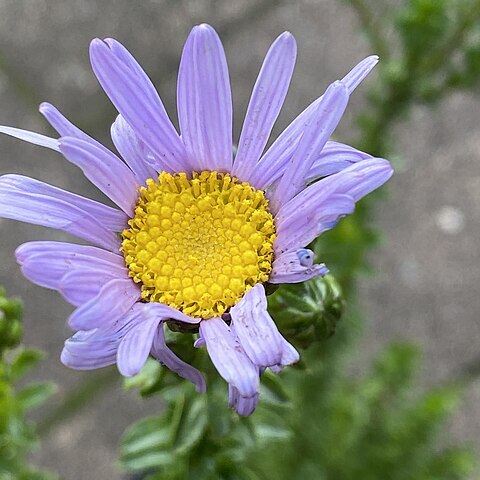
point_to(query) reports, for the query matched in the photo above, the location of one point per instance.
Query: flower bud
(307, 312)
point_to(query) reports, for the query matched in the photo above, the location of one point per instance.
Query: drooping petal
(132, 150)
(53, 212)
(85, 351)
(109, 217)
(205, 101)
(276, 158)
(112, 302)
(229, 358)
(244, 406)
(317, 216)
(135, 97)
(104, 169)
(31, 137)
(135, 346)
(47, 263)
(88, 350)
(334, 158)
(265, 103)
(164, 355)
(256, 331)
(321, 125)
(293, 267)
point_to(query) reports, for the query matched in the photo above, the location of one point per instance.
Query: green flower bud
(307, 312)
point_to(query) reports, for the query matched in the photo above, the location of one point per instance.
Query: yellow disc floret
(198, 244)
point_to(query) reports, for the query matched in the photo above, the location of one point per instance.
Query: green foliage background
(316, 420)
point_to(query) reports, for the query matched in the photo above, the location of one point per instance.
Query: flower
(197, 233)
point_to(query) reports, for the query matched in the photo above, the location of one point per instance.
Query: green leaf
(35, 394)
(24, 362)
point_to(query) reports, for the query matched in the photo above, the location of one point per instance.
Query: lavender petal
(164, 355)
(333, 159)
(266, 101)
(53, 212)
(31, 137)
(112, 302)
(135, 97)
(60, 123)
(244, 406)
(321, 125)
(91, 349)
(47, 263)
(256, 331)
(205, 101)
(135, 346)
(104, 169)
(229, 358)
(83, 284)
(289, 268)
(276, 158)
(316, 216)
(111, 218)
(132, 150)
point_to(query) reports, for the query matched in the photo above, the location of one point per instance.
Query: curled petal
(164, 355)
(292, 267)
(135, 346)
(244, 406)
(78, 272)
(334, 158)
(132, 150)
(112, 302)
(256, 331)
(299, 228)
(88, 350)
(82, 284)
(358, 73)
(229, 358)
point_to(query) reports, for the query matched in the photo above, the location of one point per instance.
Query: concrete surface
(426, 288)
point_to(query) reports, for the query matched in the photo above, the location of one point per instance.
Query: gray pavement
(426, 288)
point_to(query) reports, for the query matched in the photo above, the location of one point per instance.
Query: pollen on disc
(199, 244)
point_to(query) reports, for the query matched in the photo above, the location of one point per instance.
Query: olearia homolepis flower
(197, 232)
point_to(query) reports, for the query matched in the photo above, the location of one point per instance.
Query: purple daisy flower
(198, 233)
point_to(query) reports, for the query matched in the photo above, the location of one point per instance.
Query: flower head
(197, 233)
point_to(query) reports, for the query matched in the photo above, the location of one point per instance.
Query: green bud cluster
(307, 312)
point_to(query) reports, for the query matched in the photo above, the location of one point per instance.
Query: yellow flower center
(199, 244)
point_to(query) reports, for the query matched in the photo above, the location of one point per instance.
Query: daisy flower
(198, 232)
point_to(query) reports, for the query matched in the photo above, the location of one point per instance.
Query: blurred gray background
(426, 283)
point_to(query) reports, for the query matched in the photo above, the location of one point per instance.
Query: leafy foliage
(17, 434)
